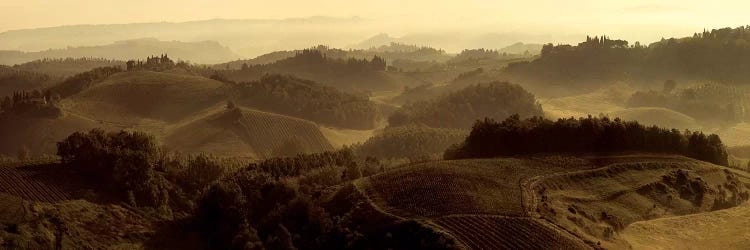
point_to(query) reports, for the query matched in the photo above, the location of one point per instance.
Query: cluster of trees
(153, 63)
(34, 103)
(708, 103)
(461, 108)
(273, 204)
(307, 99)
(596, 59)
(318, 61)
(348, 73)
(478, 57)
(64, 67)
(124, 163)
(515, 136)
(296, 165)
(391, 53)
(412, 142)
(429, 91)
(82, 81)
(719, 55)
(251, 209)
(12, 79)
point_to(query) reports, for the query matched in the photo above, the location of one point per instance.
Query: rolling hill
(549, 199)
(247, 133)
(661, 117)
(611, 101)
(65, 67)
(39, 135)
(723, 229)
(145, 96)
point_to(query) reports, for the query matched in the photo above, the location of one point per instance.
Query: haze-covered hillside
(198, 52)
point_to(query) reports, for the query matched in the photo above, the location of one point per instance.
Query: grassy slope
(723, 229)
(611, 101)
(627, 190)
(736, 135)
(460, 196)
(39, 134)
(247, 133)
(605, 100)
(143, 96)
(662, 117)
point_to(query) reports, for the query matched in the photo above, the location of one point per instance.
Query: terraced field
(497, 232)
(601, 202)
(246, 132)
(476, 186)
(463, 196)
(552, 201)
(36, 183)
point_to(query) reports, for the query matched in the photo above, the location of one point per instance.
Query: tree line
(79, 82)
(719, 55)
(33, 103)
(64, 67)
(516, 136)
(308, 100)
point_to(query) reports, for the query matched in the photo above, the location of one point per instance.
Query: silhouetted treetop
(720, 55)
(514, 136)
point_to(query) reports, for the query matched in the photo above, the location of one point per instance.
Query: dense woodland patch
(514, 136)
(13, 79)
(719, 55)
(348, 73)
(461, 108)
(307, 99)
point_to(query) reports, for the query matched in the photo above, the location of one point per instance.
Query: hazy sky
(632, 19)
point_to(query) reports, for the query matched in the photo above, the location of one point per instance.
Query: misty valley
(262, 134)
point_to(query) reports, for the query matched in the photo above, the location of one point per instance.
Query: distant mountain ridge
(503, 43)
(198, 52)
(249, 37)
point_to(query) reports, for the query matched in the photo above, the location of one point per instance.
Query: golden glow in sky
(632, 20)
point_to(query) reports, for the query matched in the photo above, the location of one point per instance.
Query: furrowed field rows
(496, 232)
(32, 183)
(264, 130)
(488, 187)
